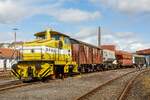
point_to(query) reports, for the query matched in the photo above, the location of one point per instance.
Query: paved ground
(68, 89)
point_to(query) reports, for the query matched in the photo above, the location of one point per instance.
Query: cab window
(66, 40)
(55, 37)
(41, 37)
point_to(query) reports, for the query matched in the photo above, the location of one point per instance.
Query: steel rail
(128, 86)
(14, 84)
(5, 76)
(88, 94)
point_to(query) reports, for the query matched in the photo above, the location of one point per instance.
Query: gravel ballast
(140, 89)
(68, 89)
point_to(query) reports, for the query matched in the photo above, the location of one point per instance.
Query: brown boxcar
(86, 55)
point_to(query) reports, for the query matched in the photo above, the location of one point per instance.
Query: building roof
(108, 47)
(8, 53)
(144, 52)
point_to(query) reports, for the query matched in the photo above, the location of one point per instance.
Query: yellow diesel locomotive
(48, 55)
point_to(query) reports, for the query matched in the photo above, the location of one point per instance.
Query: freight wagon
(109, 59)
(139, 60)
(124, 59)
(146, 53)
(147, 60)
(87, 56)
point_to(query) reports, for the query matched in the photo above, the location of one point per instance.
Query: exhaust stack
(99, 36)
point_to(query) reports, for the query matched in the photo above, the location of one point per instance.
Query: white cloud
(12, 11)
(85, 33)
(127, 6)
(134, 6)
(123, 40)
(75, 15)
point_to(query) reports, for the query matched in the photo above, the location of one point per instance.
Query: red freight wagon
(86, 55)
(125, 62)
(124, 58)
(123, 55)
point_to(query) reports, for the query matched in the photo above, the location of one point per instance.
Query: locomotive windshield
(55, 36)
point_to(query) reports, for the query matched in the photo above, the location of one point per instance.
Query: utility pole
(99, 36)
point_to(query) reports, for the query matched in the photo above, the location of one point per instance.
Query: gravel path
(68, 89)
(141, 88)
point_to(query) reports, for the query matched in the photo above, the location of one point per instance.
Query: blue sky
(124, 23)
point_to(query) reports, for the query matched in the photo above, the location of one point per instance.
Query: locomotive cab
(58, 40)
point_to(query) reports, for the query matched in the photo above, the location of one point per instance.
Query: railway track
(122, 94)
(128, 86)
(14, 84)
(5, 75)
(17, 84)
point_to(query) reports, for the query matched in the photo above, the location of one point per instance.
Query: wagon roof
(81, 42)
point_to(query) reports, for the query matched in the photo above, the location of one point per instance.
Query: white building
(7, 58)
